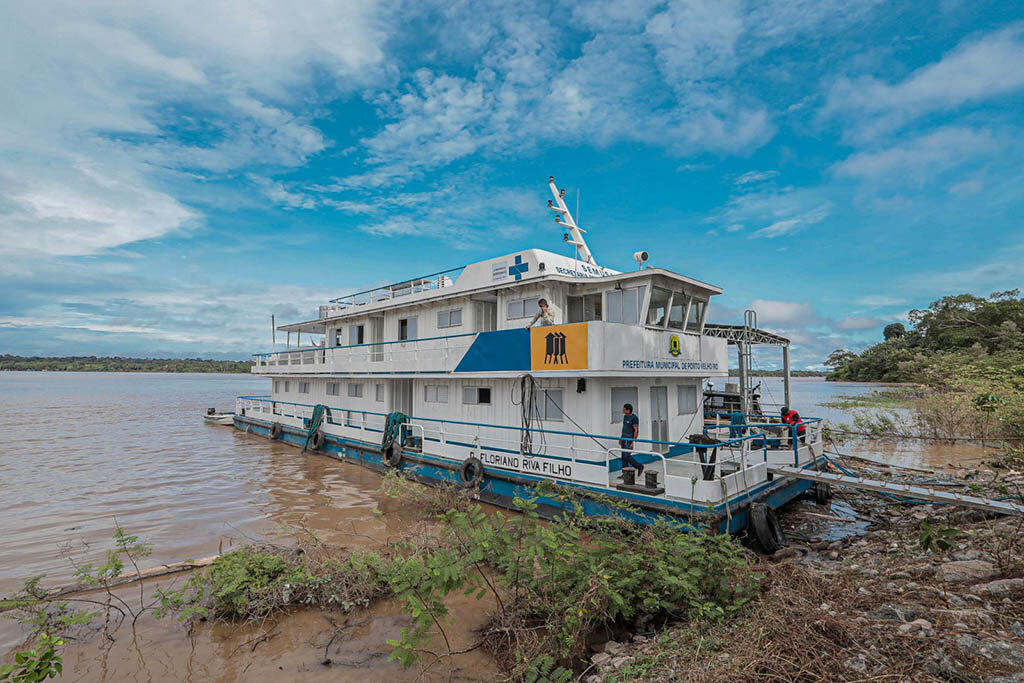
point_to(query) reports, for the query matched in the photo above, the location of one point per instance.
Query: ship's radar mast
(574, 233)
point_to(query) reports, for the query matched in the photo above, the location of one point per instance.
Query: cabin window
(696, 318)
(657, 311)
(677, 316)
(303, 387)
(406, 329)
(476, 395)
(287, 387)
(687, 399)
(339, 337)
(451, 318)
(355, 390)
(583, 308)
(332, 388)
(621, 396)
(277, 387)
(623, 305)
(355, 335)
(548, 405)
(435, 393)
(522, 308)
(378, 392)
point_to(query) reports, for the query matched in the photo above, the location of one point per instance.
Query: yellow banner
(559, 347)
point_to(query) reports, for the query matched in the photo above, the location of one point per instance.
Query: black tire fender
(318, 440)
(276, 431)
(471, 472)
(764, 524)
(393, 454)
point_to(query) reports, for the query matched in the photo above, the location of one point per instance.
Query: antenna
(575, 233)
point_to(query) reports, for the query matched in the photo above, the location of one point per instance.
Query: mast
(574, 234)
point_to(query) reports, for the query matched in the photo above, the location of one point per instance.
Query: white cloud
(922, 157)
(279, 194)
(755, 177)
(855, 323)
(881, 300)
(979, 68)
(774, 212)
(773, 312)
(105, 96)
(799, 222)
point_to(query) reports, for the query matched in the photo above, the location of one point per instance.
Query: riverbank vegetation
(961, 330)
(965, 358)
(549, 587)
(120, 364)
(603, 599)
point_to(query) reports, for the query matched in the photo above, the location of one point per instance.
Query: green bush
(38, 664)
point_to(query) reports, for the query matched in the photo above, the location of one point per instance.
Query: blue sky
(171, 174)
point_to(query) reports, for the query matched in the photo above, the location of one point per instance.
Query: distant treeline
(119, 364)
(735, 372)
(960, 331)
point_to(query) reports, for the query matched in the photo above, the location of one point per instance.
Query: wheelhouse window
(435, 393)
(658, 309)
(355, 389)
(522, 308)
(356, 335)
(676, 318)
(476, 395)
(623, 305)
(406, 329)
(303, 387)
(696, 318)
(332, 388)
(452, 318)
(583, 308)
(548, 405)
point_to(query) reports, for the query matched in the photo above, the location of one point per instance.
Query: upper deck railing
(434, 281)
(430, 354)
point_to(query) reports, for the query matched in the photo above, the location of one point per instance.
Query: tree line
(119, 364)
(962, 329)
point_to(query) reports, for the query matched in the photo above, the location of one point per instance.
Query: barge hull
(500, 487)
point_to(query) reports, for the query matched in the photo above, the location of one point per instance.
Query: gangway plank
(906, 490)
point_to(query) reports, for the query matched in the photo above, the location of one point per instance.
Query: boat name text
(515, 462)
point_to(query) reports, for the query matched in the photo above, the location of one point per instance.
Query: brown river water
(81, 450)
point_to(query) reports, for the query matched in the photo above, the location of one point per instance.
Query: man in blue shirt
(630, 430)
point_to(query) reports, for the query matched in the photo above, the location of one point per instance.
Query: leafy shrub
(38, 664)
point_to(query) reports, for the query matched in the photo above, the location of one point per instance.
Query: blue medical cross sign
(518, 268)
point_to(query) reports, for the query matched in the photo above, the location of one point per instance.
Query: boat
(441, 376)
(213, 417)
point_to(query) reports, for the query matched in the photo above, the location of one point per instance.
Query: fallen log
(125, 579)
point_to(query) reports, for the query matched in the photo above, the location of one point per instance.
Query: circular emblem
(675, 347)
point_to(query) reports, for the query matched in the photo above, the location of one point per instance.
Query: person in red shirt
(791, 417)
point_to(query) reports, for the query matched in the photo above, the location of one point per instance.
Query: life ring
(471, 473)
(393, 454)
(317, 440)
(276, 430)
(764, 523)
(822, 492)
